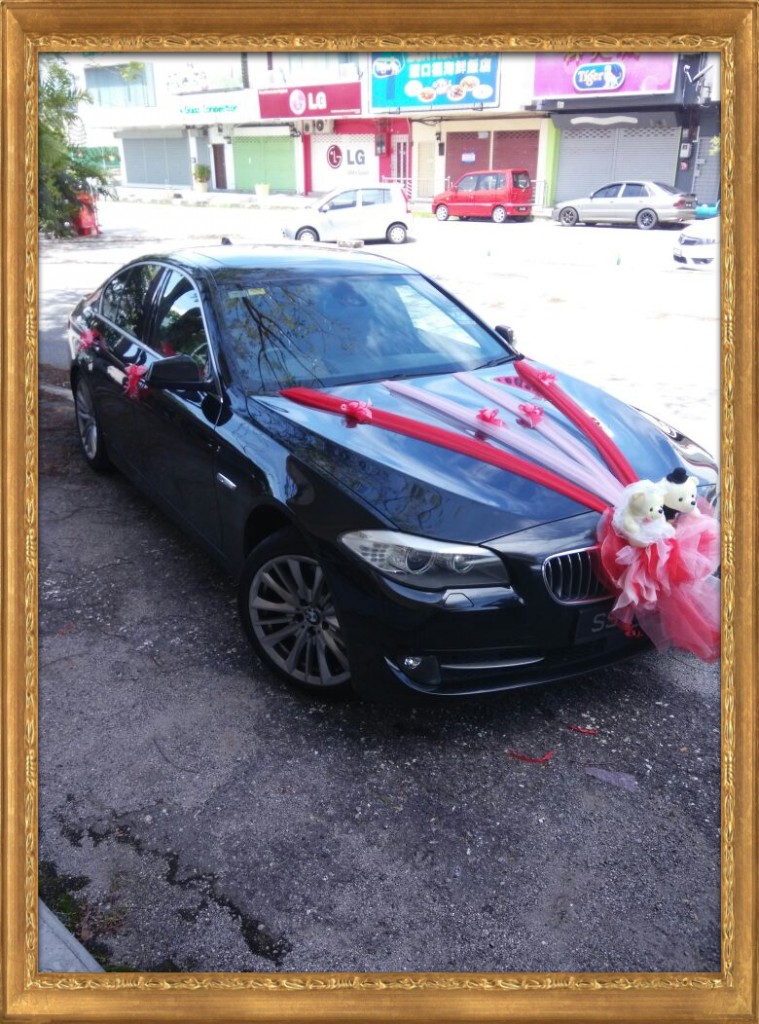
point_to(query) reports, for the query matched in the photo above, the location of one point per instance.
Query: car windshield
(323, 331)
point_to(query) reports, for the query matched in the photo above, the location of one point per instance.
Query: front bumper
(467, 641)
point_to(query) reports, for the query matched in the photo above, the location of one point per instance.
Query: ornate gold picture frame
(30, 27)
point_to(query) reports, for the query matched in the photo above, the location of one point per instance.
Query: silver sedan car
(643, 203)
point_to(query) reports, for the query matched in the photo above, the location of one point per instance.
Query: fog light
(411, 663)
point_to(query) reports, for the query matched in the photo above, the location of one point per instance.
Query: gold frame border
(30, 27)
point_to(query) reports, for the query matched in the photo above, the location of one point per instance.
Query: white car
(365, 212)
(698, 244)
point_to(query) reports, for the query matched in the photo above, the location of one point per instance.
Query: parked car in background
(643, 203)
(706, 210)
(497, 194)
(376, 543)
(698, 244)
(366, 212)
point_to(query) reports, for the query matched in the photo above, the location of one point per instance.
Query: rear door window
(634, 190)
(126, 298)
(375, 196)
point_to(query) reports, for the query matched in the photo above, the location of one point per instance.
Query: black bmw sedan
(350, 442)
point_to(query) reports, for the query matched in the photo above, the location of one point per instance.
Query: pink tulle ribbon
(668, 589)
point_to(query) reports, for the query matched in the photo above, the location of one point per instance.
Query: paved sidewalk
(58, 949)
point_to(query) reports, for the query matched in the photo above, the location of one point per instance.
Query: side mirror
(507, 333)
(180, 372)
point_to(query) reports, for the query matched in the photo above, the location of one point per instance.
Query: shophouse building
(307, 123)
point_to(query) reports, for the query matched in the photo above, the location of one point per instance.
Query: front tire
(307, 235)
(568, 216)
(442, 212)
(498, 215)
(396, 234)
(88, 425)
(646, 220)
(287, 611)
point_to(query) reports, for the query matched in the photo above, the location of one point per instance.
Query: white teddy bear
(679, 493)
(639, 516)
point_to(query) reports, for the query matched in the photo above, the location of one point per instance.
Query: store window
(121, 85)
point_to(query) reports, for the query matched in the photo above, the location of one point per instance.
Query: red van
(496, 194)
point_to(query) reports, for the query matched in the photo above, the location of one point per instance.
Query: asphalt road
(197, 815)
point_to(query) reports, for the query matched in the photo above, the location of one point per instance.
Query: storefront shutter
(157, 161)
(706, 184)
(649, 153)
(264, 159)
(590, 157)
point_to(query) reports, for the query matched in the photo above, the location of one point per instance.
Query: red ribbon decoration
(454, 442)
(532, 760)
(490, 416)
(610, 453)
(357, 412)
(89, 339)
(531, 415)
(133, 380)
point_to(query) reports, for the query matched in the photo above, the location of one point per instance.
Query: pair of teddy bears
(647, 509)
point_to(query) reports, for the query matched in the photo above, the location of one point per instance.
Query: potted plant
(202, 175)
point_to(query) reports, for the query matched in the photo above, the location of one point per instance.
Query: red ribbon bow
(89, 339)
(357, 412)
(133, 382)
(531, 415)
(490, 416)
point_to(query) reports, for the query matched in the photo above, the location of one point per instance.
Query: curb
(58, 949)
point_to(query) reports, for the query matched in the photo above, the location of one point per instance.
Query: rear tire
(396, 234)
(88, 425)
(287, 612)
(498, 215)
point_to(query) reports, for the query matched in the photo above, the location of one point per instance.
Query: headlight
(426, 563)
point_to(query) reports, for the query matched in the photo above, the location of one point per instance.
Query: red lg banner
(311, 100)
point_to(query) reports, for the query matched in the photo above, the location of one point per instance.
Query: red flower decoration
(490, 416)
(546, 377)
(89, 339)
(357, 412)
(133, 382)
(531, 415)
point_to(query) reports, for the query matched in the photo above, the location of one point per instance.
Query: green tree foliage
(65, 169)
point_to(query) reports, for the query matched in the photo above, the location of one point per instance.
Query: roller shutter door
(264, 159)
(706, 184)
(590, 157)
(516, 149)
(157, 161)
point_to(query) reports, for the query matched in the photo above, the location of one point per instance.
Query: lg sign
(353, 157)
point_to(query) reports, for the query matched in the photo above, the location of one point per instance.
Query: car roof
(292, 258)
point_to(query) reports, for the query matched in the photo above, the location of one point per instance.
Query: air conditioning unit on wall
(317, 127)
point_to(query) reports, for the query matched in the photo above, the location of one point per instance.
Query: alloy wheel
(294, 621)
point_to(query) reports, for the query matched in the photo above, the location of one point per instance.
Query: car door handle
(226, 482)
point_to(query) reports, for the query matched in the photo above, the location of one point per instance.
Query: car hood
(419, 487)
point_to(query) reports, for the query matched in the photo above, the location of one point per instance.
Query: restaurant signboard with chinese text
(415, 81)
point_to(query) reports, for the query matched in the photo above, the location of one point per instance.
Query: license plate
(593, 623)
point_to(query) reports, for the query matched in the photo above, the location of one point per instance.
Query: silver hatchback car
(365, 212)
(643, 203)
